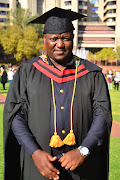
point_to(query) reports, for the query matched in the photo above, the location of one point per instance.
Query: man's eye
(53, 39)
(67, 39)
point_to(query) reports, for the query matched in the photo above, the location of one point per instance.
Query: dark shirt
(63, 99)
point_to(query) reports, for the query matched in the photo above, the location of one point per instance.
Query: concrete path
(2, 99)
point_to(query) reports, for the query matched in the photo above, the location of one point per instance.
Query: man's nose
(60, 43)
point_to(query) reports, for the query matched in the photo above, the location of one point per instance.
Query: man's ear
(44, 38)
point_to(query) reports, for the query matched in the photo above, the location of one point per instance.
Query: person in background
(10, 75)
(3, 76)
(109, 78)
(116, 82)
(57, 115)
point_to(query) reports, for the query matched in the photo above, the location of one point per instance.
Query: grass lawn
(115, 101)
(4, 92)
(114, 159)
(1, 142)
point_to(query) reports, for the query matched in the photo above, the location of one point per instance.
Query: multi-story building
(4, 8)
(101, 27)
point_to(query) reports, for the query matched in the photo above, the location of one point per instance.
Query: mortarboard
(58, 20)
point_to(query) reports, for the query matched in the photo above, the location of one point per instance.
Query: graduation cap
(57, 20)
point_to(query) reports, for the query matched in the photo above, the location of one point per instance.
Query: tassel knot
(70, 139)
(56, 141)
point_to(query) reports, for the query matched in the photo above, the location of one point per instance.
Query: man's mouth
(60, 51)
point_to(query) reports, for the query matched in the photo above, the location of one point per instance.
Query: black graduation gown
(4, 78)
(31, 91)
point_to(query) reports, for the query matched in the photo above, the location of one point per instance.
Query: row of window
(3, 20)
(3, 12)
(111, 20)
(83, 11)
(4, 5)
(110, 3)
(81, 3)
(110, 11)
(67, 3)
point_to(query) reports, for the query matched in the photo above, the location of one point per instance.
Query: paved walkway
(115, 132)
(2, 99)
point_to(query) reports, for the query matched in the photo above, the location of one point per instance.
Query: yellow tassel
(70, 139)
(56, 141)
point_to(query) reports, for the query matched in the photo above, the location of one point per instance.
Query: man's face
(59, 46)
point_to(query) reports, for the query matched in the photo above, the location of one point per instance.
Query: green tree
(118, 53)
(1, 33)
(28, 47)
(90, 56)
(19, 16)
(105, 53)
(10, 39)
(2, 30)
(22, 43)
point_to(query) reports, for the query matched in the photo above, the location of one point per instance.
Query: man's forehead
(61, 34)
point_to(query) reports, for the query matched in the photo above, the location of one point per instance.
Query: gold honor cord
(55, 140)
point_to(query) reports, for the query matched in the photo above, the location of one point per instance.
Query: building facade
(100, 29)
(4, 9)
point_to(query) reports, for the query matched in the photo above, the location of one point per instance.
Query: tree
(118, 53)
(90, 56)
(10, 39)
(21, 17)
(22, 43)
(105, 53)
(1, 33)
(28, 47)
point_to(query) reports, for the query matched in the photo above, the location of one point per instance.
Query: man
(58, 108)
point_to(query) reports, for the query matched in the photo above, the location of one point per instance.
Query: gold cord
(73, 95)
(71, 114)
(53, 95)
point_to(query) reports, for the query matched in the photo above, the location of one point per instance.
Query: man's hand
(42, 161)
(72, 159)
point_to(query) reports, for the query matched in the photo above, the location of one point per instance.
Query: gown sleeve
(23, 134)
(101, 99)
(16, 98)
(96, 133)
(102, 117)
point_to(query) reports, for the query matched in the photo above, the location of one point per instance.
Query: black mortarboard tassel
(57, 20)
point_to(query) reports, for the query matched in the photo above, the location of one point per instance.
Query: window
(95, 1)
(3, 20)
(82, 3)
(67, 3)
(94, 8)
(82, 11)
(3, 12)
(111, 20)
(112, 11)
(4, 5)
(112, 3)
(94, 15)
